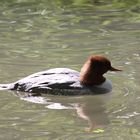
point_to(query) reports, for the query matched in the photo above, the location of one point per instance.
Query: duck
(65, 81)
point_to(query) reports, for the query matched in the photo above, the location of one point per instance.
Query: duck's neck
(91, 80)
(89, 76)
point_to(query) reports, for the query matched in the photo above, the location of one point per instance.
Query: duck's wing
(59, 78)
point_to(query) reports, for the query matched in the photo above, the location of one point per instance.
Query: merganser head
(93, 70)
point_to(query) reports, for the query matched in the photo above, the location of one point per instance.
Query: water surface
(39, 35)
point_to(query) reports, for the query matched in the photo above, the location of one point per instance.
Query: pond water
(40, 34)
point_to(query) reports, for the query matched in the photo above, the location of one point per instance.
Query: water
(39, 35)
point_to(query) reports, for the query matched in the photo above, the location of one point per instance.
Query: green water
(37, 35)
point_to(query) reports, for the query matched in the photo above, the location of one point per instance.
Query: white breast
(107, 85)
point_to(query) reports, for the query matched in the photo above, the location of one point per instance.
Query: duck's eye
(97, 63)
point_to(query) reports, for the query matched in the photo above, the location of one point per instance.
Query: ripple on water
(129, 115)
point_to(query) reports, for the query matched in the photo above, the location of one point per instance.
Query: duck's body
(61, 80)
(56, 81)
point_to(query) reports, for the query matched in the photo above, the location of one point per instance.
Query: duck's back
(58, 78)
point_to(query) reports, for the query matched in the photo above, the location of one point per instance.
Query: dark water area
(37, 35)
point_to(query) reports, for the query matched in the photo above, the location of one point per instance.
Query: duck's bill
(114, 69)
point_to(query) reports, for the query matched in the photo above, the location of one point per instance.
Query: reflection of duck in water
(63, 79)
(89, 108)
(94, 112)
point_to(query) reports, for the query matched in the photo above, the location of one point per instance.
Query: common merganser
(61, 80)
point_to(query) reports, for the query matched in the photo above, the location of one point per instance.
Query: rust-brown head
(93, 70)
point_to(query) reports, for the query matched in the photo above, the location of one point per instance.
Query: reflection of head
(93, 110)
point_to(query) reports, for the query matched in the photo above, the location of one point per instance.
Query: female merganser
(61, 80)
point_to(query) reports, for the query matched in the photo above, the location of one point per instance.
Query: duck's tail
(6, 86)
